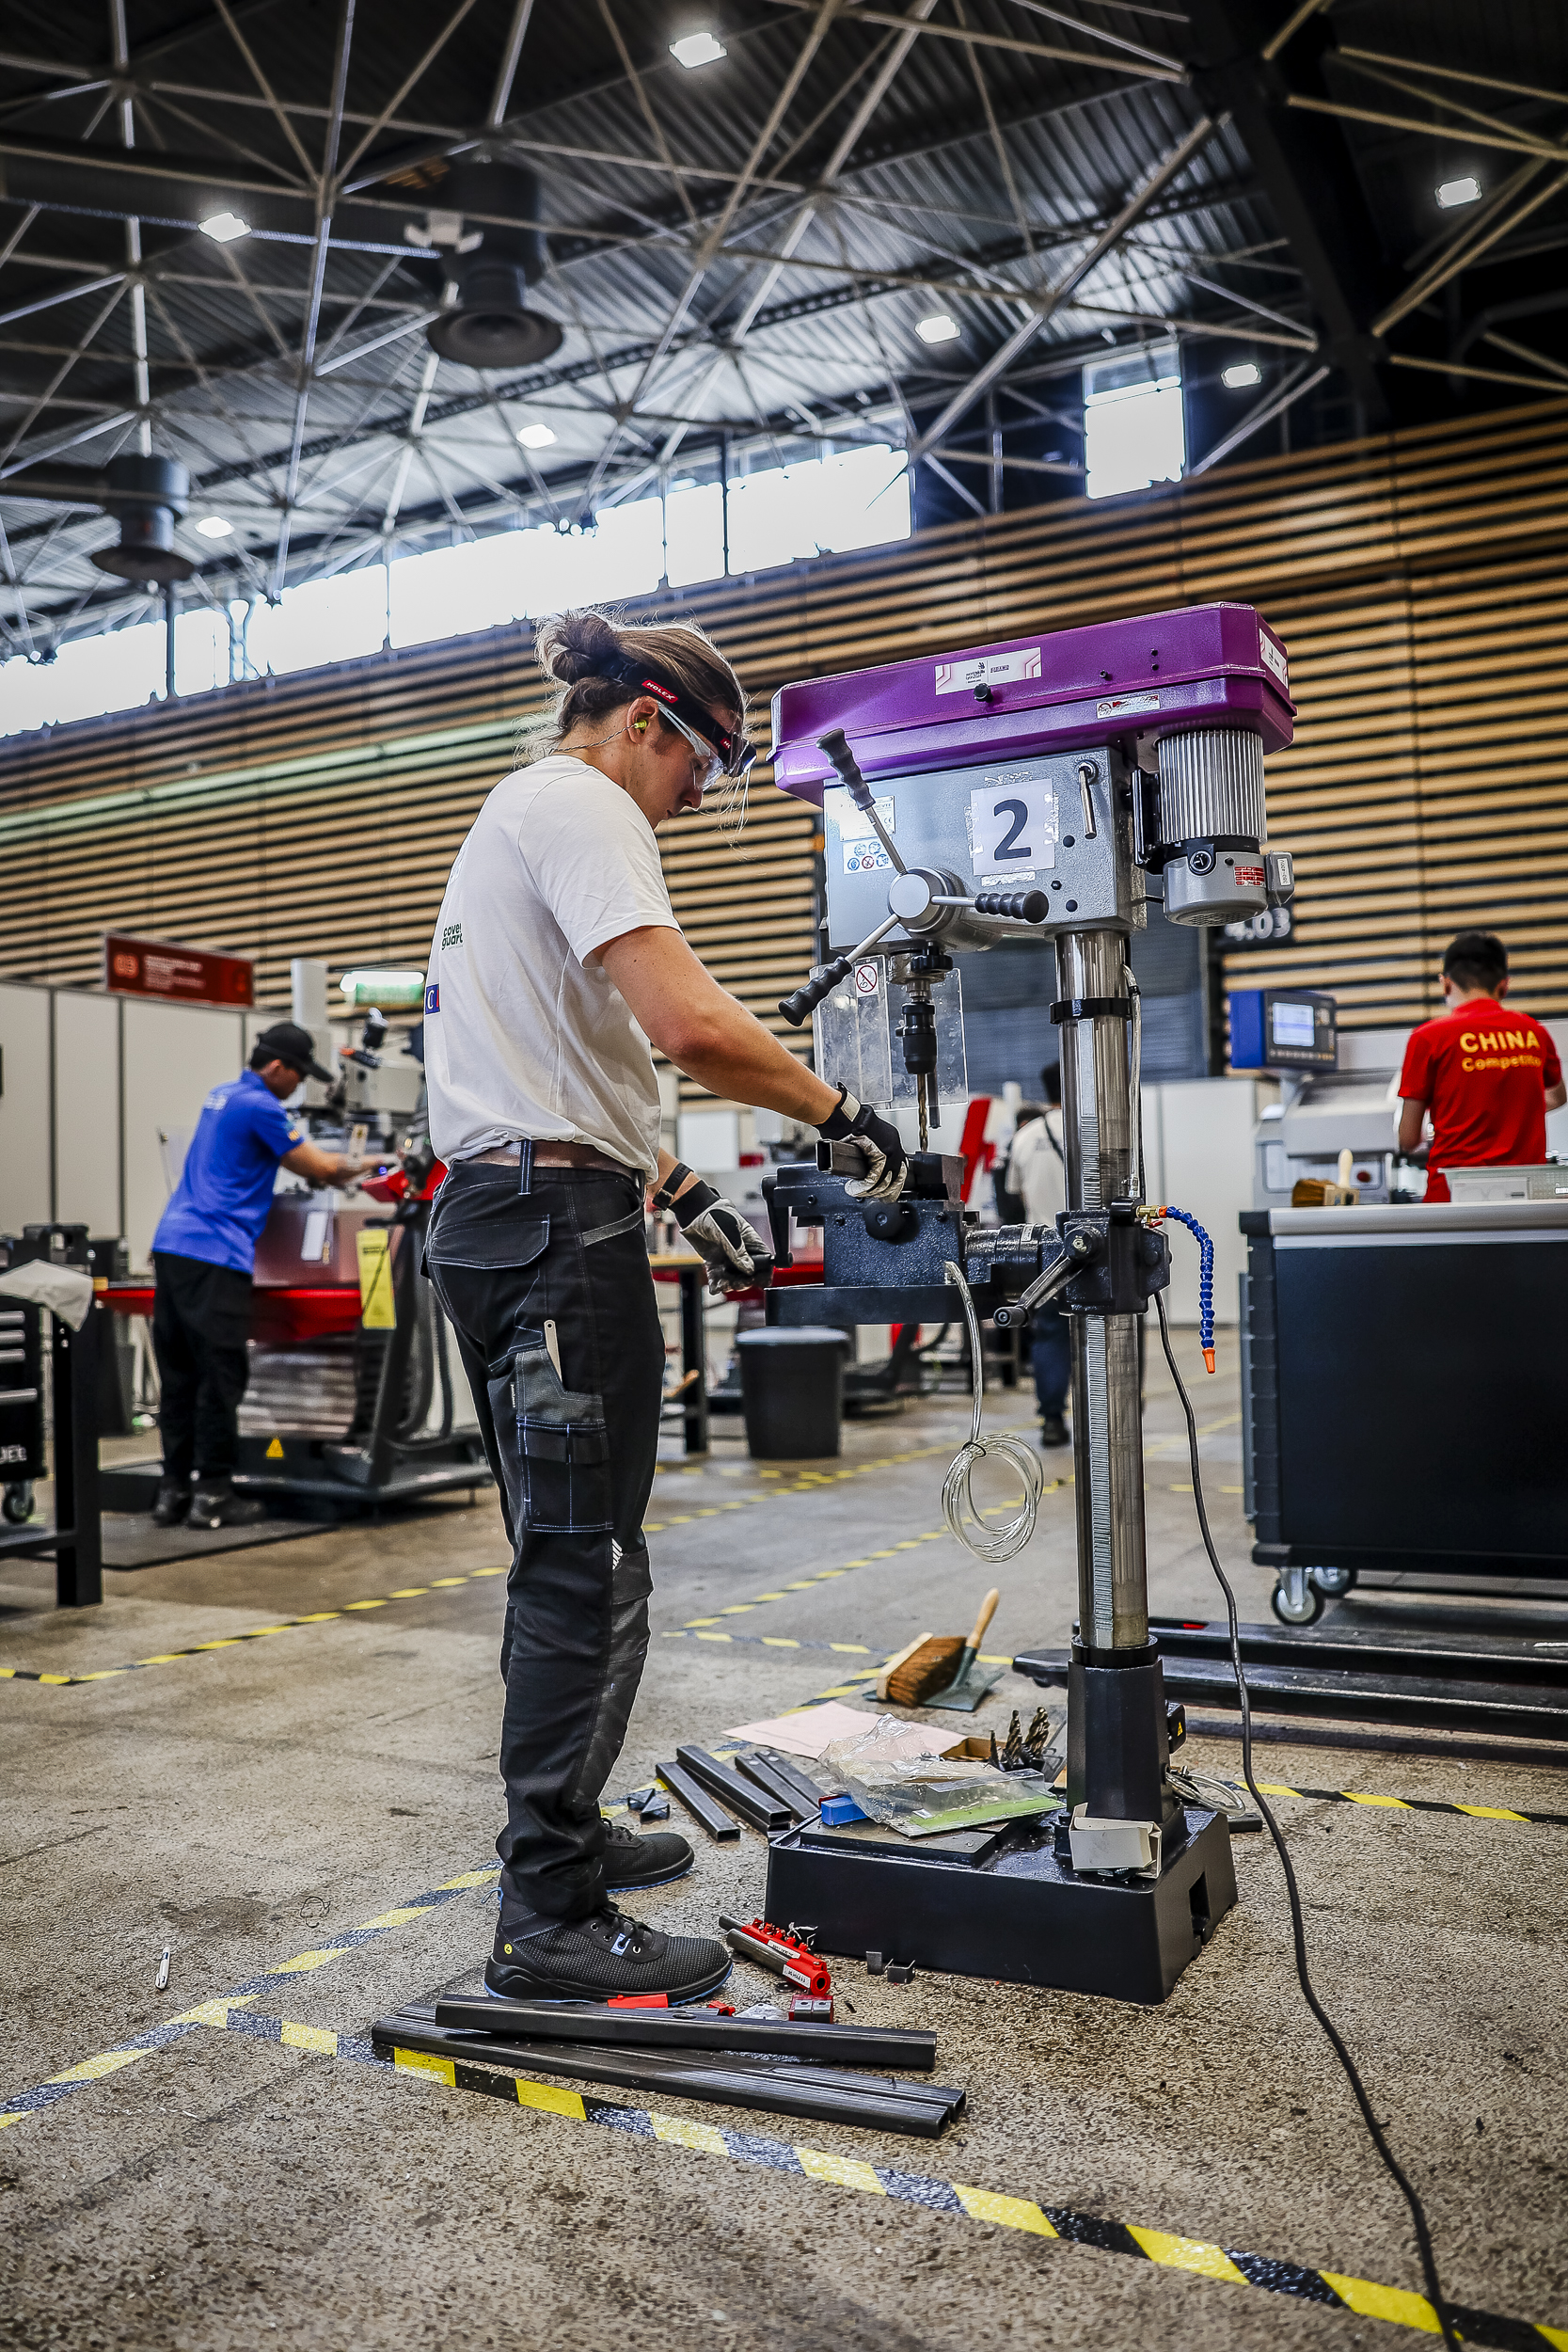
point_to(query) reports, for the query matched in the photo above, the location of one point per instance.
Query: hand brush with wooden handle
(931, 1665)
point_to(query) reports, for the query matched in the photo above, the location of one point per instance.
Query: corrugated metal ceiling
(937, 154)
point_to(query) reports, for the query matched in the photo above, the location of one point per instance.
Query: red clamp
(793, 1960)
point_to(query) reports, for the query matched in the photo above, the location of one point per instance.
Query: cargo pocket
(563, 1448)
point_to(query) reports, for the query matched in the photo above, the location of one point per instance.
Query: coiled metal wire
(958, 1501)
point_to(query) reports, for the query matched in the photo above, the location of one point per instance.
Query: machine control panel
(1283, 1028)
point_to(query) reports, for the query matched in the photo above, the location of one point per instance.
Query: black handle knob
(798, 1007)
(836, 744)
(1022, 906)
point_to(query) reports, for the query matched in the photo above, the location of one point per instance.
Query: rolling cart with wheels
(1365, 1331)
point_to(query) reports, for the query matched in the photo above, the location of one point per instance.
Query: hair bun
(574, 645)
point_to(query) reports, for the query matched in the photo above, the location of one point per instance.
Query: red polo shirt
(1482, 1071)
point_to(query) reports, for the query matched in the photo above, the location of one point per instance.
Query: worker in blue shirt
(204, 1250)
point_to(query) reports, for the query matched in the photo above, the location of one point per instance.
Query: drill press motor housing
(1041, 788)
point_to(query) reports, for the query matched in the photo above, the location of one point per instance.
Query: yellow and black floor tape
(1368, 2299)
(1413, 1804)
(104, 2063)
(234, 2012)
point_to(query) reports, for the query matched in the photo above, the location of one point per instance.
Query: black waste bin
(792, 1392)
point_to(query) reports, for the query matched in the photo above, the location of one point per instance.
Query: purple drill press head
(1208, 666)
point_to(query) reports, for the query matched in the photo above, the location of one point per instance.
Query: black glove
(887, 1163)
(736, 1257)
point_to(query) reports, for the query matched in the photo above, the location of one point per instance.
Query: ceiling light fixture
(937, 329)
(1454, 192)
(223, 228)
(535, 435)
(694, 49)
(214, 527)
(1245, 372)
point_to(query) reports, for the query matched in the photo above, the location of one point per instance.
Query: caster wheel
(1333, 1583)
(1296, 1602)
(16, 1503)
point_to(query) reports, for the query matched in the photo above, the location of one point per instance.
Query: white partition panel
(24, 1170)
(86, 1111)
(1153, 1142)
(1202, 1145)
(174, 1056)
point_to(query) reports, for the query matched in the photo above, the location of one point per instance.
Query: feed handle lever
(1019, 906)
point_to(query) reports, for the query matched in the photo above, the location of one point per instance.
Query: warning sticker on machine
(1272, 659)
(965, 672)
(1126, 706)
(863, 852)
(868, 979)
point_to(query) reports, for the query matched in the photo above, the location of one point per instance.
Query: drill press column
(1107, 1429)
(1118, 1749)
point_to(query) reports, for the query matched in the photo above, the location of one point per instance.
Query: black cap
(286, 1041)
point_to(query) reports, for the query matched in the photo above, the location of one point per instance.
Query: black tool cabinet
(1405, 1390)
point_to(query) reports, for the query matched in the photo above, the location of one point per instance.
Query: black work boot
(1054, 1431)
(215, 1504)
(606, 1953)
(173, 1503)
(631, 1862)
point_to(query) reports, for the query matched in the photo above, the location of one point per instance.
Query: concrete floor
(249, 1805)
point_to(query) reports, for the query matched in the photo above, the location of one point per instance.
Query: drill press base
(999, 1904)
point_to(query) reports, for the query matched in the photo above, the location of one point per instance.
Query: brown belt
(555, 1155)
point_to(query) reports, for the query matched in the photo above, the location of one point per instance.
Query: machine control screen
(1283, 1028)
(1292, 1024)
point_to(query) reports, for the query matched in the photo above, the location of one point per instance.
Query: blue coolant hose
(1205, 1281)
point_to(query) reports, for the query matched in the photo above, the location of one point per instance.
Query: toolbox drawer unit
(1405, 1404)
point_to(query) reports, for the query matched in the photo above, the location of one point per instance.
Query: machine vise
(886, 1261)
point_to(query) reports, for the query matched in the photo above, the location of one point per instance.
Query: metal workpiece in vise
(1097, 764)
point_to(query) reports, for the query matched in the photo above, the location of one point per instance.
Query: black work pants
(574, 1458)
(200, 1324)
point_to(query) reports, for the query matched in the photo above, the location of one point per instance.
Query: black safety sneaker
(173, 1503)
(631, 1862)
(1054, 1431)
(592, 1958)
(215, 1504)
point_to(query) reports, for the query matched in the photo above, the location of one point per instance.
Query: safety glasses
(714, 770)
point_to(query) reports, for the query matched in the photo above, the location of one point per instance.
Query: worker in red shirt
(1488, 1078)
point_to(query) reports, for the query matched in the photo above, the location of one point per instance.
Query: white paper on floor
(810, 1731)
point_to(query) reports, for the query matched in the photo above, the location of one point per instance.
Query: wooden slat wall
(1417, 581)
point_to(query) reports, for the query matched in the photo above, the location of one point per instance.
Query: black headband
(733, 748)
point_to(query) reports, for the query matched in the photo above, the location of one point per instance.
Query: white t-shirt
(523, 1036)
(1036, 1168)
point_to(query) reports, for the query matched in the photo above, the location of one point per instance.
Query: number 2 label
(1013, 825)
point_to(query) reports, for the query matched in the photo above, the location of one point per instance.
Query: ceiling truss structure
(738, 257)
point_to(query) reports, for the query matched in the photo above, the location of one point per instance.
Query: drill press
(1038, 788)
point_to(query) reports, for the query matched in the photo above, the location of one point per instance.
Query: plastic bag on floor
(899, 1775)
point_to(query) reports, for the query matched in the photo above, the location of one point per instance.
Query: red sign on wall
(160, 967)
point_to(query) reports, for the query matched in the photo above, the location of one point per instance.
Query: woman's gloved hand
(887, 1163)
(736, 1257)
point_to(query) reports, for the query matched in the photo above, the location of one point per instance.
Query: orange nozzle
(1208, 1358)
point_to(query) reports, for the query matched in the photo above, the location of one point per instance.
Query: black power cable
(1298, 1928)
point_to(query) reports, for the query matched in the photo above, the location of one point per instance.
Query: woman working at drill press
(557, 961)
